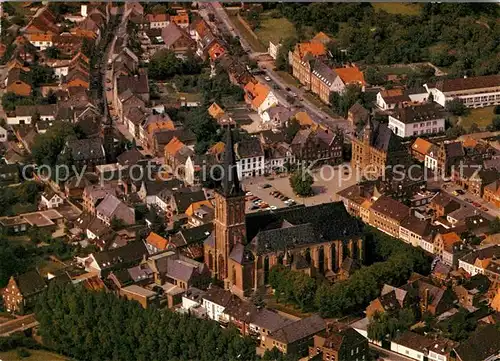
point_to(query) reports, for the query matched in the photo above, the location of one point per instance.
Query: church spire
(230, 183)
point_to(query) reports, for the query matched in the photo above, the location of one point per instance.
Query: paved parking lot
(485, 207)
(325, 187)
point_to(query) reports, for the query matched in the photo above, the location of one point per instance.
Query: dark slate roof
(382, 138)
(391, 208)
(180, 270)
(299, 330)
(123, 277)
(82, 149)
(417, 225)
(30, 283)
(185, 197)
(155, 187)
(129, 157)
(192, 235)
(419, 113)
(329, 221)
(249, 148)
(454, 150)
(482, 344)
(324, 72)
(218, 296)
(486, 81)
(348, 337)
(282, 238)
(133, 251)
(359, 111)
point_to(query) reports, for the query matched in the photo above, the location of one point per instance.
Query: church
(243, 248)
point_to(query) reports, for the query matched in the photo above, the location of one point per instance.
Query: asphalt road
(322, 117)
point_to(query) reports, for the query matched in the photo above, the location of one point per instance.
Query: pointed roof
(230, 185)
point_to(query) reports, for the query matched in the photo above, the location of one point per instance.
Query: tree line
(394, 261)
(100, 326)
(460, 37)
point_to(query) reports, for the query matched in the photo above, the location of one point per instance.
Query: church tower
(229, 224)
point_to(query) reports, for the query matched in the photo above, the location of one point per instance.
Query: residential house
(106, 261)
(126, 101)
(302, 56)
(86, 153)
(442, 204)
(95, 193)
(260, 97)
(413, 230)
(482, 261)
(391, 299)
(358, 114)
(443, 247)
(320, 145)
(155, 243)
(408, 121)
(473, 291)
(296, 337)
(146, 298)
(492, 193)
(273, 49)
(157, 21)
(22, 291)
(420, 148)
(111, 208)
(419, 347)
(474, 92)
(215, 301)
(50, 200)
(389, 99)
(339, 345)
(177, 40)
(250, 158)
(387, 214)
(482, 345)
(23, 114)
(9, 174)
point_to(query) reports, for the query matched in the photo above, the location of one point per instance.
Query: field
(398, 8)
(481, 116)
(255, 44)
(36, 355)
(274, 30)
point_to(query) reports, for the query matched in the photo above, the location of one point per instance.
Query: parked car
(267, 78)
(485, 209)
(476, 204)
(248, 194)
(461, 192)
(265, 185)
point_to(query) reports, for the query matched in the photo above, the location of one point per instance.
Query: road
(322, 117)
(18, 325)
(492, 212)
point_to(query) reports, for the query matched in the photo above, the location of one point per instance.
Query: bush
(23, 353)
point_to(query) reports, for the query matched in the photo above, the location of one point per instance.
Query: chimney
(426, 299)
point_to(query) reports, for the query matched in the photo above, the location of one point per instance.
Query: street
(321, 116)
(490, 214)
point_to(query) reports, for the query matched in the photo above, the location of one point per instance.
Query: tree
(341, 103)
(474, 128)
(387, 325)
(455, 132)
(292, 127)
(374, 77)
(159, 9)
(52, 52)
(495, 124)
(495, 225)
(48, 146)
(73, 320)
(456, 107)
(117, 224)
(282, 57)
(301, 183)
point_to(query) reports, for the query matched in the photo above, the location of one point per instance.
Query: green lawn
(481, 116)
(288, 78)
(255, 44)
(36, 355)
(274, 30)
(398, 8)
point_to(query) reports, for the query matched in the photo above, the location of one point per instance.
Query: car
(108, 80)
(467, 200)
(485, 209)
(293, 94)
(266, 185)
(476, 204)
(273, 207)
(461, 192)
(276, 86)
(455, 193)
(267, 78)
(248, 194)
(108, 89)
(288, 89)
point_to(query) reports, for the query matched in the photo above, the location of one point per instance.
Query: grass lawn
(398, 8)
(288, 78)
(36, 355)
(255, 44)
(290, 309)
(481, 116)
(274, 30)
(49, 266)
